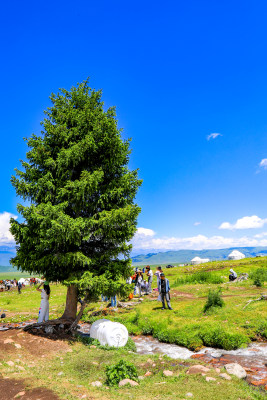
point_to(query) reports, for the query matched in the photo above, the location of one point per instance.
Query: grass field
(69, 369)
(228, 327)
(14, 275)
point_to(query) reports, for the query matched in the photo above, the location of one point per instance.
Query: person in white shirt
(44, 306)
(150, 278)
(233, 275)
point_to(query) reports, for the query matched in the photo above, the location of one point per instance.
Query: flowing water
(253, 358)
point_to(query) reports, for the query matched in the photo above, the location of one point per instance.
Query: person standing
(157, 273)
(150, 278)
(139, 282)
(164, 290)
(19, 287)
(44, 306)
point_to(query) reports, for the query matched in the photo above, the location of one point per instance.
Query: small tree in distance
(82, 213)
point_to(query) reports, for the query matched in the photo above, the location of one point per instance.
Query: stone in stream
(236, 370)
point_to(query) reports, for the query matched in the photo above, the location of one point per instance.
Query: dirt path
(16, 389)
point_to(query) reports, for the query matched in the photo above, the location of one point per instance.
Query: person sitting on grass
(233, 275)
(164, 291)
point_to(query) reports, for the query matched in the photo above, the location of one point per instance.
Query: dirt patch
(35, 345)
(10, 388)
(177, 293)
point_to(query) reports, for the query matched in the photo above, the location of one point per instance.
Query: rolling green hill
(185, 256)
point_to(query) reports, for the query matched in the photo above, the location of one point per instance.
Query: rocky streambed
(253, 358)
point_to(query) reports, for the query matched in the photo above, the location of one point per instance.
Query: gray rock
(197, 369)
(49, 329)
(225, 376)
(128, 381)
(96, 383)
(166, 372)
(242, 277)
(210, 379)
(236, 370)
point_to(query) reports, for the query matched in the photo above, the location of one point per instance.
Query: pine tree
(79, 210)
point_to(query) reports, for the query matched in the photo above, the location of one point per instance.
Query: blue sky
(177, 72)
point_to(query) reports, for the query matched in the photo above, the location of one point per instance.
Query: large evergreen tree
(79, 213)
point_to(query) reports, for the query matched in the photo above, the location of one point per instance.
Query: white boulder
(236, 370)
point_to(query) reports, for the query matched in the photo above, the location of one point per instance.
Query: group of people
(7, 284)
(145, 286)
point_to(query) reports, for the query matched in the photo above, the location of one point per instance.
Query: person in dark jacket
(164, 291)
(233, 275)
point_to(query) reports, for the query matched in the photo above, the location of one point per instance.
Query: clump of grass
(122, 370)
(214, 300)
(199, 277)
(259, 276)
(88, 341)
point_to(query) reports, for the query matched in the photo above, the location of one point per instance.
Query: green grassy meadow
(228, 327)
(69, 368)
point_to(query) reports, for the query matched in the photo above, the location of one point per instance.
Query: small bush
(122, 370)
(258, 281)
(259, 276)
(214, 299)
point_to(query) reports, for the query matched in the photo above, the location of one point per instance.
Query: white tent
(236, 255)
(23, 281)
(198, 260)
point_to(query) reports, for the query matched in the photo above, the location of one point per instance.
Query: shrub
(258, 281)
(259, 276)
(219, 338)
(122, 370)
(214, 299)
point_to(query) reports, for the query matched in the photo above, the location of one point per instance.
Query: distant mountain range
(185, 256)
(167, 257)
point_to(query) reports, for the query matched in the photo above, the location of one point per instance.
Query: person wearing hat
(150, 278)
(233, 275)
(164, 291)
(44, 306)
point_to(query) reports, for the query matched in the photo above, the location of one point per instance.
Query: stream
(252, 358)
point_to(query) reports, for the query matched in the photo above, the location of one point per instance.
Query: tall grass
(199, 277)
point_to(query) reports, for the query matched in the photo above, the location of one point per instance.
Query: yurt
(198, 260)
(236, 255)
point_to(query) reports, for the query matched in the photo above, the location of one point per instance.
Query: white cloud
(263, 163)
(260, 235)
(5, 235)
(252, 222)
(213, 136)
(152, 243)
(197, 223)
(145, 232)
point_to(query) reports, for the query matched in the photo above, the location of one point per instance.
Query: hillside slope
(185, 256)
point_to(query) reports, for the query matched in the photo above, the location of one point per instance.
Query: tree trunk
(71, 303)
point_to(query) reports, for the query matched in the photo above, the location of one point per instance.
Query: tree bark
(79, 316)
(71, 303)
